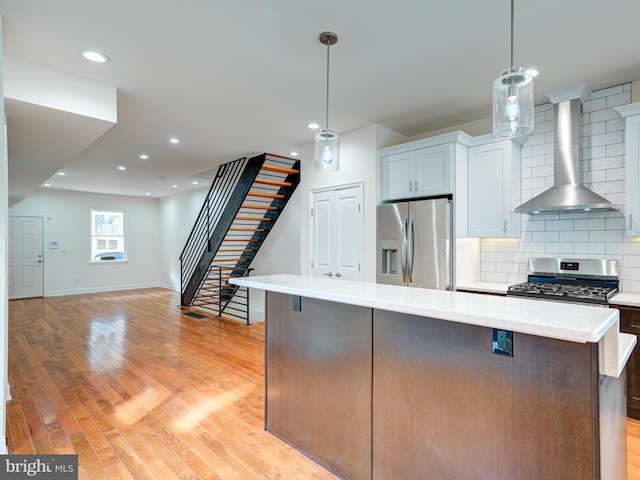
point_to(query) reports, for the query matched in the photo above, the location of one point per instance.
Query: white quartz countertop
(485, 287)
(576, 323)
(563, 321)
(624, 298)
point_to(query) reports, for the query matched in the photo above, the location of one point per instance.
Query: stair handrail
(197, 242)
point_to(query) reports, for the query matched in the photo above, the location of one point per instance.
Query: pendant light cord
(327, 112)
(511, 64)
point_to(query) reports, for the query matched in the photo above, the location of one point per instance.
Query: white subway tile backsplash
(534, 182)
(594, 129)
(574, 236)
(616, 150)
(615, 125)
(630, 273)
(546, 236)
(605, 236)
(542, 149)
(602, 115)
(582, 235)
(560, 224)
(604, 92)
(534, 161)
(614, 174)
(605, 139)
(559, 247)
(618, 99)
(542, 171)
(590, 248)
(590, 224)
(594, 104)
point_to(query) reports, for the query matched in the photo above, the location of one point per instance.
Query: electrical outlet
(502, 342)
(297, 303)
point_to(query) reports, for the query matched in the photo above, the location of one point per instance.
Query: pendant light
(513, 108)
(326, 151)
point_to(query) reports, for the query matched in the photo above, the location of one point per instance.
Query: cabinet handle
(415, 184)
(328, 274)
(504, 228)
(410, 186)
(631, 221)
(338, 274)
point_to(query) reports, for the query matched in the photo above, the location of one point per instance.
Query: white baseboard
(112, 288)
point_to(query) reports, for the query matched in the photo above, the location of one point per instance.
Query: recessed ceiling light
(174, 140)
(94, 56)
(194, 183)
(62, 174)
(294, 154)
(144, 156)
(47, 184)
(147, 194)
(174, 186)
(121, 167)
(313, 125)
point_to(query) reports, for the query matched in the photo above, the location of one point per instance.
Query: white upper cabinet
(494, 188)
(631, 114)
(423, 168)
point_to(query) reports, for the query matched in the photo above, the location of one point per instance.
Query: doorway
(26, 257)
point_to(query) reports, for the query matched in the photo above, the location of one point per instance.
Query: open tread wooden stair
(262, 188)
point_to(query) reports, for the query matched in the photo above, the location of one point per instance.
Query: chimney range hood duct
(567, 194)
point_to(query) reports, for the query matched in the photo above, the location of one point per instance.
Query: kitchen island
(386, 382)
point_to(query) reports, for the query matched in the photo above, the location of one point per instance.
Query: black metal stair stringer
(228, 292)
(234, 204)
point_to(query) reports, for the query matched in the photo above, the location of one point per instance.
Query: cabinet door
(397, 176)
(494, 190)
(632, 207)
(630, 323)
(433, 171)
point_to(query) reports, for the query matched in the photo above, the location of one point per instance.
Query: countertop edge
(466, 308)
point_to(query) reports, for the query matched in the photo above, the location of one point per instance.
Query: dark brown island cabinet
(630, 323)
(385, 383)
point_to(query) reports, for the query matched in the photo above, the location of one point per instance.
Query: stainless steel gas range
(586, 281)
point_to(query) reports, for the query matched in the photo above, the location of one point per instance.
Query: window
(107, 236)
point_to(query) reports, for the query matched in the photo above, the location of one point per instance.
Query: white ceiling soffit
(51, 118)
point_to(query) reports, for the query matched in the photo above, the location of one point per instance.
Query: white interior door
(337, 233)
(26, 257)
(322, 224)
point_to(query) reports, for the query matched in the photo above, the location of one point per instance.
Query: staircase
(246, 198)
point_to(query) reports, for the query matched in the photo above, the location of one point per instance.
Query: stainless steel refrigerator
(414, 244)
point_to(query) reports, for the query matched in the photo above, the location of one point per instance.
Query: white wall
(358, 162)
(4, 297)
(177, 214)
(68, 223)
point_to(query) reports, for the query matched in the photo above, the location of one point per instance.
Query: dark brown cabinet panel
(630, 323)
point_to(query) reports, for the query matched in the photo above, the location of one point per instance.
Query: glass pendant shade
(326, 151)
(513, 108)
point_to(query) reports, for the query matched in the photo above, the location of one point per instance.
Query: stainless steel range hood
(567, 194)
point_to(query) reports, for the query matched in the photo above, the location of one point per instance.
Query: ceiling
(234, 78)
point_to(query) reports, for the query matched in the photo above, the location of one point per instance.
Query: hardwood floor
(139, 390)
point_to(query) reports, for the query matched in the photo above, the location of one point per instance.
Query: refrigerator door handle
(411, 250)
(403, 250)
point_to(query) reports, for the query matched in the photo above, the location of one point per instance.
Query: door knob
(328, 274)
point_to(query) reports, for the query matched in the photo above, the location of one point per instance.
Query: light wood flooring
(139, 390)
